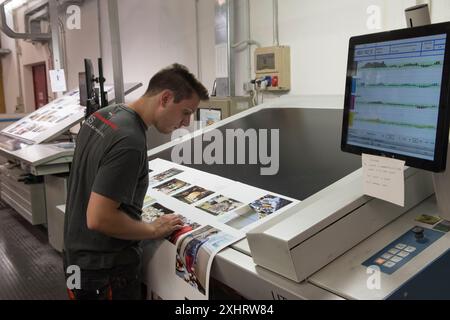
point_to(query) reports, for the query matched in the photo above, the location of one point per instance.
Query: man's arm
(104, 216)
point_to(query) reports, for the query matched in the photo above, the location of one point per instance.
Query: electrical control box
(219, 108)
(273, 64)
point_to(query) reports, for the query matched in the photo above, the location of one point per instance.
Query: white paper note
(58, 80)
(384, 179)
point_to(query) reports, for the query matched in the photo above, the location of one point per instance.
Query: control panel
(273, 68)
(403, 250)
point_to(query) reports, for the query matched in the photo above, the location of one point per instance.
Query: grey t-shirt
(111, 160)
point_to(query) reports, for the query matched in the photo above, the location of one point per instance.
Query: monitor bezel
(442, 136)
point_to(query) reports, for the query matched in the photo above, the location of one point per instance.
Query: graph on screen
(396, 93)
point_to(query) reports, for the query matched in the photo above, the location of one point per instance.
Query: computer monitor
(83, 89)
(87, 84)
(397, 96)
(90, 97)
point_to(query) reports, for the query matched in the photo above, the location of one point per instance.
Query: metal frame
(12, 34)
(116, 50)
(224, 12)
(2, 90)
(56, 45)
(231, 52)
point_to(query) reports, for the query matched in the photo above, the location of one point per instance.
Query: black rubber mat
(30, 269)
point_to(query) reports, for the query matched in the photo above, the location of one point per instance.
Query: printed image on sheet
(219, 205)
(171, 186)
(268, 205)
(164, 176)
(188, 226)
(179, 267)
(40, 123)
(153, 212)
(148, 200)
(193, 195)
(194, 252)
(27, 127)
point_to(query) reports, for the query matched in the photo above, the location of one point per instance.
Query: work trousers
(118, 283)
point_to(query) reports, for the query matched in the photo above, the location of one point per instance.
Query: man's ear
(166, 97)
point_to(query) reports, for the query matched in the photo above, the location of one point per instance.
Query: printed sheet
(217, 212)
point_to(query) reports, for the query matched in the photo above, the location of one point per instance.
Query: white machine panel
(49, 120)
(56, 117)
(314, 233)
(349, 278)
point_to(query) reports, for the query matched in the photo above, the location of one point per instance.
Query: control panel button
(419, 233)
(398, 253)
(389, 264)
(394, 251)
(387, 256)
(410, 249)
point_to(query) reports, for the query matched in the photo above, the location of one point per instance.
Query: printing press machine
(34, 179)
(325, 247)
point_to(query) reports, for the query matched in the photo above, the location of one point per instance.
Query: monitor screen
(396, 101)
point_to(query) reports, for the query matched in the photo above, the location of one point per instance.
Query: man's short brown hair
(180, 81)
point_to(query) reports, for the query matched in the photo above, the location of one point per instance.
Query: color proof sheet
(59, 112)
(216, 212)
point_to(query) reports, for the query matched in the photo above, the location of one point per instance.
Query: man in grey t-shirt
(108, 182)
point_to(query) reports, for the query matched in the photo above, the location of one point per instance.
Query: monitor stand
(442, 190)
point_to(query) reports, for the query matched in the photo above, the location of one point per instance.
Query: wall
(2, 92)
(26, 54)
(30, 55)
(206, 42)
(154, 34)
(83, 43)
(10, 73)
(317, 32)
(440, 10)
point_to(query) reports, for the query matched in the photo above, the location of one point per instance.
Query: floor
(30, 269)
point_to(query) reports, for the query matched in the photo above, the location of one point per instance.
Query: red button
(275, 81)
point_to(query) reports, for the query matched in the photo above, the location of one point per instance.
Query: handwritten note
(384, 179)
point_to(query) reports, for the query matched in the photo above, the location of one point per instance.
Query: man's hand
(165, 226)
(104, 216)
